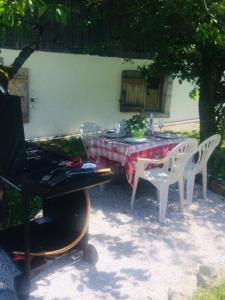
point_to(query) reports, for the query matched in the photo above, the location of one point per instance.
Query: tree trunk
(207, 108)
(209, 79)
(7, 73)
(211, 91)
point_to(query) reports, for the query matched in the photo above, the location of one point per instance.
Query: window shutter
(19, 86)
(133, 91)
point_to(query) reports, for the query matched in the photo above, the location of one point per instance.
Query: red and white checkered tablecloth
(126, 154)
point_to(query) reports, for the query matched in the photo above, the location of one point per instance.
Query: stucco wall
(182, 106)
(70, 89)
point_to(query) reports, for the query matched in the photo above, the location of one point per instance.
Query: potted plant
(137, 125)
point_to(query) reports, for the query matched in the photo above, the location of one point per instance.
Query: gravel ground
(189, 126)
(138, 257)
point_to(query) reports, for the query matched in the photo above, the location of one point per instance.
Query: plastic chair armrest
(142, 163)
(154, 161)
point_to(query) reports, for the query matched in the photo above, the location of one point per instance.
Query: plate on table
(135, 140)
(167, 135)
(113, 135)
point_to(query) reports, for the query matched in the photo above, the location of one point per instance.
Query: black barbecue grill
(33, 171)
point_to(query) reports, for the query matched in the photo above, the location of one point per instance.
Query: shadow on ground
(138, 257)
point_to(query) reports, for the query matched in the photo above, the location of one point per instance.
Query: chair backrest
(179, 157)
(87, 131)
(205, 150)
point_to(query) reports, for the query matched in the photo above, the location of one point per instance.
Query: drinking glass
(161, 124)
(117, 128)
(150, 125)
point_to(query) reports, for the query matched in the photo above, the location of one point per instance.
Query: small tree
(185, 39)
(31, 16)
(192, 47)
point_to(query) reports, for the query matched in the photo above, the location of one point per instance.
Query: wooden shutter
(19, 86)
(154, 89)
(133, 91)
(139, 93)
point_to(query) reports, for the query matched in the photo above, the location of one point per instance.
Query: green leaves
(41, 7)
(136, 122)
(2, 5)
(19, 14)
(210, 33)
(61, 13)
(194, 94)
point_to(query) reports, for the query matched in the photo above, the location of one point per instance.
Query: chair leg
(157, 194)
(163, 198)
(190, 188)
(134, 192)
(204, 183)
(102, 187)
(181, 193)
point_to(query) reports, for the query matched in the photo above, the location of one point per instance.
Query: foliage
(215, 292)
(31, 17)
(217, 162)
(136, 123)
(15, 207)
(70, 147)
(19, 14)
(185, 39)
(220, 118)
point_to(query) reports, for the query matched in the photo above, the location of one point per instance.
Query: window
(139, 93)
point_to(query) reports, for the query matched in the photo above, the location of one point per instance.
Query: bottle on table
(151, 125)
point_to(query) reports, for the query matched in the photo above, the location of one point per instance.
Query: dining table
(125, 150)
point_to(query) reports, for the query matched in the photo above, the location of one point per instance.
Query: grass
(70, 147)
(215, 292)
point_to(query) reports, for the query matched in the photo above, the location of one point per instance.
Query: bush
(216, 163)
(16, 207)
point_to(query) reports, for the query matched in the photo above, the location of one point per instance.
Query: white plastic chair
(203, 153)
(87, 131)
(162, 178)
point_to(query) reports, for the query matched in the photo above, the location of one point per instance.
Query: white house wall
(69, 89)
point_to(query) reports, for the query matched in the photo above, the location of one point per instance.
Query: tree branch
(21, 58)
(207, 9)
(7, 72)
